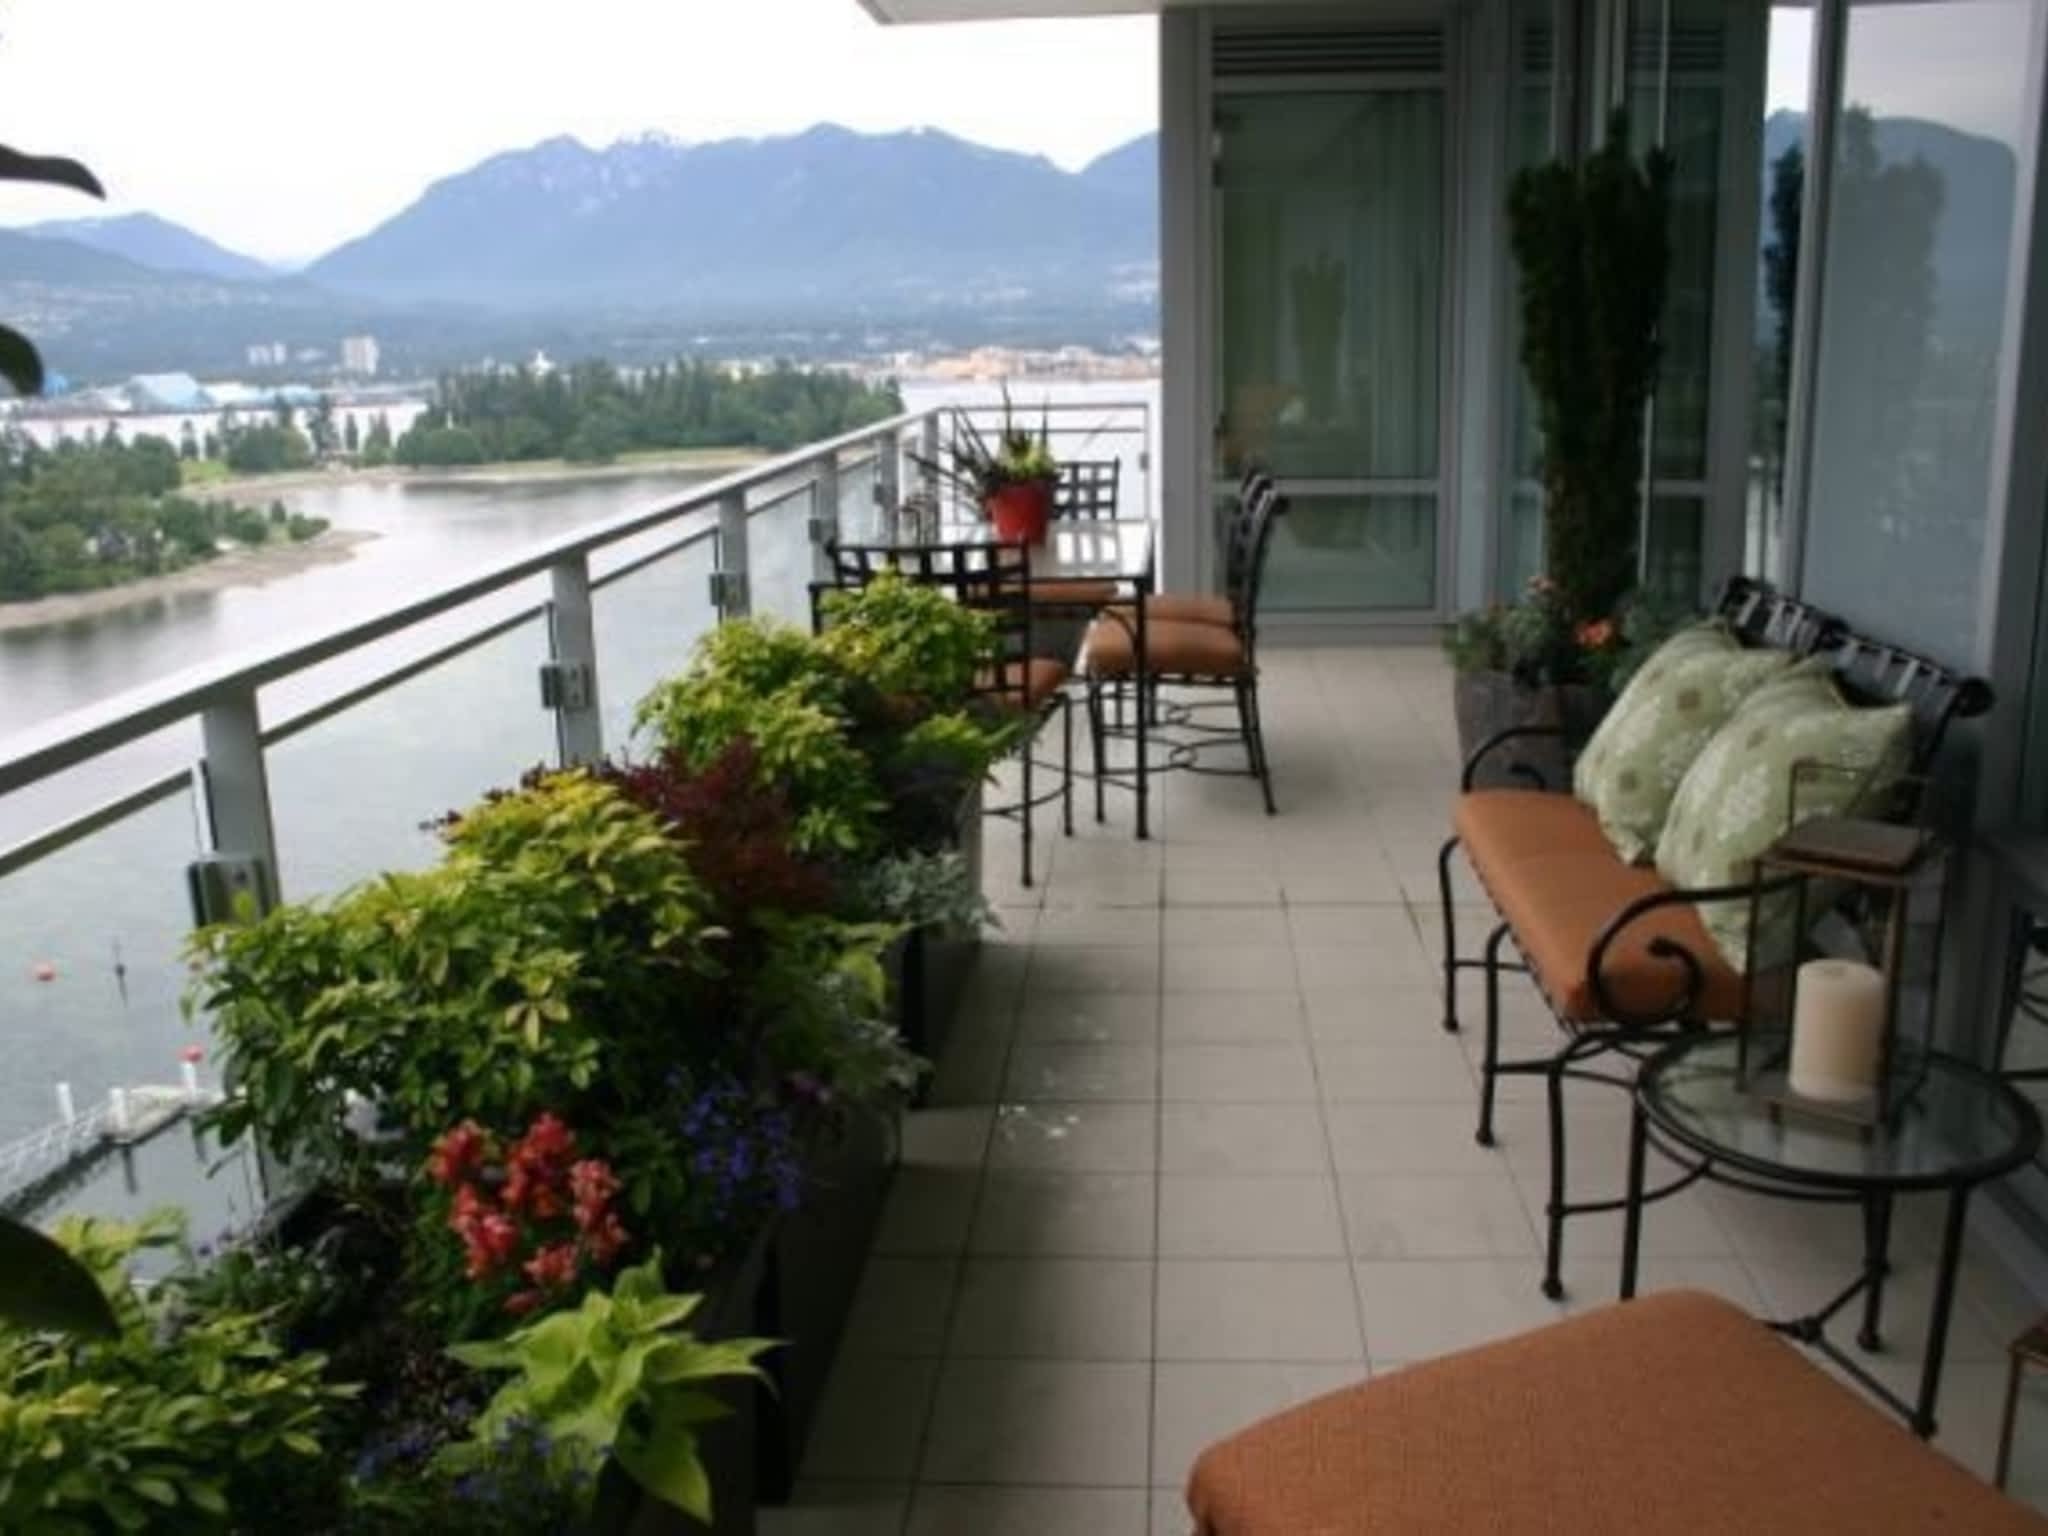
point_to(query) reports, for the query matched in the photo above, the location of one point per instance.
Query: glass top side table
(1964, 1128)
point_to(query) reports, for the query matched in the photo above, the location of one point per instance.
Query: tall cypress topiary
(1593, 246)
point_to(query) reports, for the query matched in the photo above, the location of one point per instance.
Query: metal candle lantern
(1869, 870)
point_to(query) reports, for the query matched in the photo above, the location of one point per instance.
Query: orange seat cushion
(1185, 607)
(1075, 594)
(1557, 882)
(1042, 676)
(1174, 648)
(1675, 1413)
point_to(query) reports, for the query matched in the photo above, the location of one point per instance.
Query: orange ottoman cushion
(1675, 1413)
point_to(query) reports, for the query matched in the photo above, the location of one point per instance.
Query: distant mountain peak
(156, 243)
(916, 216)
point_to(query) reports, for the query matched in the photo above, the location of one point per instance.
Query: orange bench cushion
(1064, 593)
(1173, 648)
(1675, 1413)
(1557, 882)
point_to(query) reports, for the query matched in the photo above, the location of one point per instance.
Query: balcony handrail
(50, 747)
(69, 739)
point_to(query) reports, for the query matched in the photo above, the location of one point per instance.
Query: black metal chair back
(989, 577)
(1088, 488)
(1241, 538)
(1761, 615)
(1266, 506)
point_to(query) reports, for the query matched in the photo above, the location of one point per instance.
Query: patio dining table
(1114, 553)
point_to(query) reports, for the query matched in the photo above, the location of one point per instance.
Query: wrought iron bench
(1620, 957)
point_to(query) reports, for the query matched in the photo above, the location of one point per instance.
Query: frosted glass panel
(1332, 263)
(1913, 298)
(1342, 552)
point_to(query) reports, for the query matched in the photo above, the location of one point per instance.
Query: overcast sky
(282, 127)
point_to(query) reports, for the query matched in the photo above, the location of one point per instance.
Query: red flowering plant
(1540, 642)
(535, 1223)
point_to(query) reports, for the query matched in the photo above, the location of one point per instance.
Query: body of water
(90, 937)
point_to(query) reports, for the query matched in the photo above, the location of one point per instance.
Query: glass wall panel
(646, 625)
(351, 796)
(1920, 221)
(1521, 543)
(1331, 242)
(779, 564)
(1341, 552)
(1781, 192)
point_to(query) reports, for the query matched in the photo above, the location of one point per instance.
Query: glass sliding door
(1331, 252)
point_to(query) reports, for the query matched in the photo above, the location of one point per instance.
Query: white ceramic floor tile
(1098, 928)
(1248, 1309)
(1232, 927)
(1082, 1073)
(1238, 1216)
(1406, 1138)
(1383, 1015)
(1418, 1309)
(928, 1211)
(1076, 1138)
(1196, 1403)
(1117, 1018)
(1434, 1073)
(901, 1307)
(1242, 1138)
(871, 1420)
(1232, 1018)
(1073, 1215)
(1435, 1216)
(1073, 1423)
(1211, 968)
(1237, 1073)
(1072, 968)
(1054, 1309)
(947, 1510)
(838, 1509)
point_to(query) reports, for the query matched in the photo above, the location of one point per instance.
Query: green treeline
(592, 412)
(86, 515)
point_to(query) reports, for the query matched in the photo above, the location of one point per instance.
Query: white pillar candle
(117, 1111)
(67, 1107)
(1837, 1030)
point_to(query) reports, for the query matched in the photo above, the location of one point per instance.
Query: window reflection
(1920, 220)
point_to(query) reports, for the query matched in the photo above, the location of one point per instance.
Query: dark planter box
(1487, 703)
(928, 967)
(814, 1266)
(732, 1299)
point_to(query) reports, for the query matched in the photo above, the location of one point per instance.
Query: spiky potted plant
(1011, 475)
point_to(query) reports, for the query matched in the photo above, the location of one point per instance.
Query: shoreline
(503, 472)
(236, 568)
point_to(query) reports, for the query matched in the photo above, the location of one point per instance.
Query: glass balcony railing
(317, 763)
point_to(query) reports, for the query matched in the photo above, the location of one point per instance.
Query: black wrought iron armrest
(1689, 971)
(1502, 738)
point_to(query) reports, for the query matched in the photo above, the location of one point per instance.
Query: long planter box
(814, 1266)
(929, 966)
(727, 1445)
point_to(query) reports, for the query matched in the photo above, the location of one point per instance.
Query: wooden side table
(2030, 1348)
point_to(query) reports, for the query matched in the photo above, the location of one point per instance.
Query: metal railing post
(569, 680)
(824, 513)
(928, 450)
(729, 590)
(236, 803)
(889, 470)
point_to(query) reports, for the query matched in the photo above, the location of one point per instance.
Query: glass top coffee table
(1964, 1128)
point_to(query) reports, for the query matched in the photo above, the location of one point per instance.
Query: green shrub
(536, 966)
(617, 1377)
(908, 640)
(187, 1419)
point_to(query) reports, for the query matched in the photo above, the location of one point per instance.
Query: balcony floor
(1199, 1150)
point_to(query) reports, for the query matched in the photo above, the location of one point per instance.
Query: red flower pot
(1021, 512)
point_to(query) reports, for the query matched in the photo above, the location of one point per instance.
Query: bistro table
(1113, 552)
(1963, 1127)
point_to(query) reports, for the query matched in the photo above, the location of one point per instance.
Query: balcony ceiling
(914, 12)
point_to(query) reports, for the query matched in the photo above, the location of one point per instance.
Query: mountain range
(645, 242)
(815, 238)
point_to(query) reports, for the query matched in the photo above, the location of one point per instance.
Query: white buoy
(67, 1107)
(117, 1111)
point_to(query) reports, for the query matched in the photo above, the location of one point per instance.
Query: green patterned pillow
(1735, 800)
(1663, 720)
